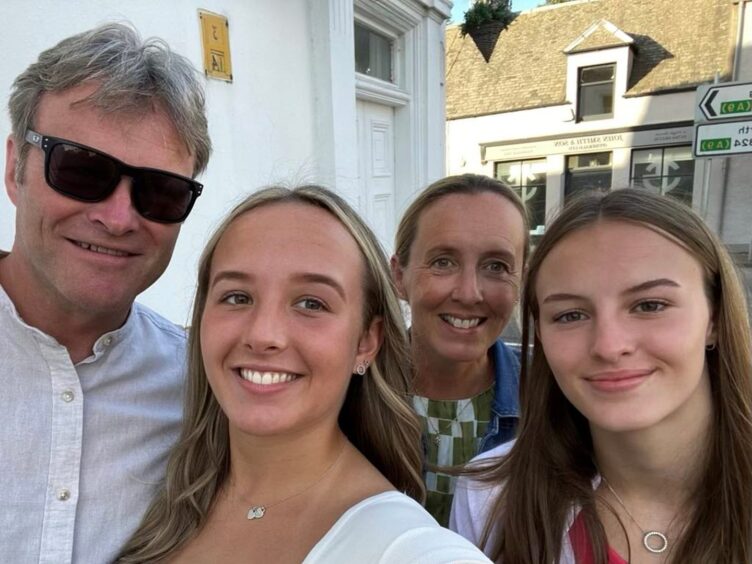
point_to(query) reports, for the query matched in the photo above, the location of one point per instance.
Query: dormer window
(595, 92)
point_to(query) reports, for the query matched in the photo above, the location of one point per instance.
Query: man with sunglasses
(108, 134)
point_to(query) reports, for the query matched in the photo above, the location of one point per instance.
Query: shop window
(373, 53)
(528, 179)
(664, 170)
(587, 172)
(595, 92)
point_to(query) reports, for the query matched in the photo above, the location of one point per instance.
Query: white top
(391, 528)
(83, 447)
(473, 500)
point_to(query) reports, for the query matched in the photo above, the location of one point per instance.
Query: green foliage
(487, 11)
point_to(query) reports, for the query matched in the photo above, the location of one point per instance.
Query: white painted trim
(611, 28)
(379, 91)
(418, 60)
(438, 8)
(620, 55)
(377, 25)
(399, 15)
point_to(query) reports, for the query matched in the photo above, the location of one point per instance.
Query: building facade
(345, 93)
(601, 94)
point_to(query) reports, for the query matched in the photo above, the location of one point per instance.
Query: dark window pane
(596, 92)
(587, 172)
(507, 172)
(650, 183)
(643, 170)
(678, 161)
(535, 202)
(665, 170)
(604, 73)
(528, 179)
(680, 168)
(597, 100)
(585, 181)
(373, 53)
(588, 160)
(681, 189)
(646, 163)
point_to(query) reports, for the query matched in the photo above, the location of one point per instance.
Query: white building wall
(331, 70)
(261, 125)
(288, 116)
(475, 144)
(465, 137)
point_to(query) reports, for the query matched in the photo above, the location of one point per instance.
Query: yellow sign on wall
(215, 38)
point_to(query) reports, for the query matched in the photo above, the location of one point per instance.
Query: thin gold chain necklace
(258, 511)
(647, 536)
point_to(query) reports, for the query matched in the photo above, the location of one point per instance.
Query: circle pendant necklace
(258, 511)
(653, 541)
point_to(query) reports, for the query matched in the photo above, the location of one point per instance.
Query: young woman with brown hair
(635, 441)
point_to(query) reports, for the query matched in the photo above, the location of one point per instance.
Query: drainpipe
(734, 77)
(738, 45)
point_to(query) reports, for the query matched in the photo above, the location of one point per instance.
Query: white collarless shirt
(83, 447)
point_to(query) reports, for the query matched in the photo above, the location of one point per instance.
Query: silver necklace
(433, 429)
(258, 511)
(647, 536)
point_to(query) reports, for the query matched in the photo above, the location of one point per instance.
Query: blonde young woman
(297, 439)
(460, 252)
(635, 442)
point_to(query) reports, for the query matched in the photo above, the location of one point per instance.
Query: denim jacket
(505, 409)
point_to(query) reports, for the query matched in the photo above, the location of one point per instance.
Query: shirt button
(63, 494)
(108, 341)
(67, 396)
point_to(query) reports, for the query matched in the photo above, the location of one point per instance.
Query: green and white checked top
(453, 430)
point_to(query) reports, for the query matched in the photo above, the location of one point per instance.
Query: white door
(376, 168)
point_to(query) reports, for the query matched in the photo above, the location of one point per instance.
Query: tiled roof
(678, 44)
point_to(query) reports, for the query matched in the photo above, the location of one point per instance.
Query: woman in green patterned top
(460, 252)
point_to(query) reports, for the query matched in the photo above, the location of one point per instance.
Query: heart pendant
(256, 512)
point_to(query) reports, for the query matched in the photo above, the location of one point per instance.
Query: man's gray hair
(132, 75)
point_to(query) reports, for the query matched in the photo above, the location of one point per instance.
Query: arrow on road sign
(726, 101)
(707, 104)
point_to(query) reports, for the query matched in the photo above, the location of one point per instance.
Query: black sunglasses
(89, 175)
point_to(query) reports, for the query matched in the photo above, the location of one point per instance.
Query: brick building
(601, 93)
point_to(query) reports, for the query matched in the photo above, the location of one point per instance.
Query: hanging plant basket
(485, 37)
(484, 21)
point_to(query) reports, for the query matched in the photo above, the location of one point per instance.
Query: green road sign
(711, 145)
(723, 138)
(736, 107)
(725, 100)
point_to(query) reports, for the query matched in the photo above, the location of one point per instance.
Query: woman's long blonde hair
(551, 466)
(375, 416)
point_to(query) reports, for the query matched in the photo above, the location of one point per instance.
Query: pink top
(583, 552)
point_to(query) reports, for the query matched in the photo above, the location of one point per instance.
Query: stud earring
(360, 370)
(710, 347)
